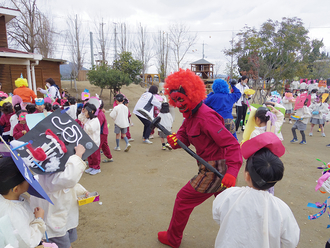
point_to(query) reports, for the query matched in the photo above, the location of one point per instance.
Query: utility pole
(102, 42)
(232, 56)
(78, 65)
(92, 52)
(115, 40)
(203, 49)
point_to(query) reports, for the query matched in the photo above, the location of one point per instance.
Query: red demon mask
(182, 102)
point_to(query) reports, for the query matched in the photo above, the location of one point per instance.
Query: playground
(138, 189)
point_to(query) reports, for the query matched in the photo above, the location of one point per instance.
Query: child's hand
(86, 193)
(272, 109)
(24, 132)
(39, 212)
(80, 150)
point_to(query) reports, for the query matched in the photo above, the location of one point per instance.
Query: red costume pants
(186, 200)
(104, 146)
(94, 160)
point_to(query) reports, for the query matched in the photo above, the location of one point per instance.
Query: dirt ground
(138, 189)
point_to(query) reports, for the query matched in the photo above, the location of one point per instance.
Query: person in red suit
(205, 130)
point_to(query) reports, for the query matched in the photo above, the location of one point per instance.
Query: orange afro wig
(190, 82)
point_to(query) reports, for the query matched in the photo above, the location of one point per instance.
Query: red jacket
(4, 121)
(103, 122)
(205, 130)
(17, 132)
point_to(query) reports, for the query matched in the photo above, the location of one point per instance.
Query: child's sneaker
(128, 147)
(310, 134)
(151, 136)
(328, 145)
(163, 147)
(323, 134)
(88, 170)
(303, 142)
(284, 120)
(130, 140)
(168, 146)
(95, 171)
(107, 160)
(294, 141)
(117, 148)
(290, 122)
(147, 141)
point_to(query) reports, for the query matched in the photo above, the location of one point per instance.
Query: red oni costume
(203, 128)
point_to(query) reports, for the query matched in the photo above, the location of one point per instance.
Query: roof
(201, 62)
(8, 13)
(11, 53)
(61, 61)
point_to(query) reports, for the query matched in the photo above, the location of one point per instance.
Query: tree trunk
(101, 92)
(75, 84)
(110, 97)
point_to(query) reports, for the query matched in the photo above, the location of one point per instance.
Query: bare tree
(142, 48)
(216, 68)
(181, 40)
(46, 38)
(103, 39)
(75, 36)
(123, 38)
(24, 31)
(161, 42)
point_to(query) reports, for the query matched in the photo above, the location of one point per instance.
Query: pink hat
(22, 116)
(16, 99)
(265, 140)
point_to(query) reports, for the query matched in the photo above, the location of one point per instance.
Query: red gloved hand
(228, 180)
(173, 140)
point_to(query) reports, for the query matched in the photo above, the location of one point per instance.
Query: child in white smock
(120, 116)
(28, 225)
(317, 108)
(249, 216)
(93, 128)
(63, 188)
(167, 122)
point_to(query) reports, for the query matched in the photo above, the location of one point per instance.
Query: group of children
(307, 107)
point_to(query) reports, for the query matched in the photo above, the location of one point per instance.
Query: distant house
(32, 66)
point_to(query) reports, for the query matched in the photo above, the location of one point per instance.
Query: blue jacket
(223, 103)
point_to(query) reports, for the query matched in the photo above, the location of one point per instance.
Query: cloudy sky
(214, 21)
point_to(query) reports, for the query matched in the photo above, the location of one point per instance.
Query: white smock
(63, 189)
(120, 115)
(166, 120)
(13, 122)
(253, 218)
(72, 111)
(27, 229)
(93, 128)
